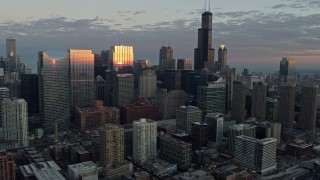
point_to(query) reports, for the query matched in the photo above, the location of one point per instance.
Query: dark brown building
(140, 109)
(96, 117)
(6, 167)
(298, 150)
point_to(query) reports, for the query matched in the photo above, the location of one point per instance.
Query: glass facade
(122, 58)
(11, 54)
(82, 78)
(54, 89)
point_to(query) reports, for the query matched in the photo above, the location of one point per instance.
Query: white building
(4, 93)
(144, 139)
(15, 122)
(258, 154)
(240, 129)
(86, 170)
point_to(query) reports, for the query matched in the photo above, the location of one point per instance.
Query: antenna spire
(205, 5)
(209, 5)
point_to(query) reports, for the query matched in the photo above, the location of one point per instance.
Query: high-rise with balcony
(15, 123)
(111, 144)
(81, 78)
(204, 53)
(54, 89)
(308, 104)
(121, 58)
(112, 152)
(144, 139)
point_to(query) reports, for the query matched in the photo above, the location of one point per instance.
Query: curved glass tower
(54, 89)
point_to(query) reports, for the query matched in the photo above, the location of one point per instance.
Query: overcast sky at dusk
(254, 31)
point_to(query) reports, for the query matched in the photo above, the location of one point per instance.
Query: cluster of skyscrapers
(208, 106)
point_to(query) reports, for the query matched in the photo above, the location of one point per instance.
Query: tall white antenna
(205, 5)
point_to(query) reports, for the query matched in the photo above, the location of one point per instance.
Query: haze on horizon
(255, 32)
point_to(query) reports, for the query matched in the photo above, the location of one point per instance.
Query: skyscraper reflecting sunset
(82, 78)
(54, 89)
(122, 58)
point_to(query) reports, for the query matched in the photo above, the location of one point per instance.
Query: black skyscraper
(204, 54)
(30, 91)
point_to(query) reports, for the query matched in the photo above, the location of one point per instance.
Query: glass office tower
(81, 78)
(54, 89)
(122, 58)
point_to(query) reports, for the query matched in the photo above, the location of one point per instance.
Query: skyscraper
(238, 103)
(100, 88)
(211, 99)
(222, 57)
(4, 93)
(15, 123)
(200, 132)
(287, 70)
(258, 154)
(147, 83)
(81, 78)
(11, 54)
(123, 91)
(111, 145)
(204, 53)
(184, 64)
(166, 53)
(259, 95)
(30, 91)
(286, 105)
(215, 122)
(54, 89)
(308, 104)
(121, 58)
(144, 139)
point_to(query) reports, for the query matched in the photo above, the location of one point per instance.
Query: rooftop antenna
(205, 5)
(209, 5)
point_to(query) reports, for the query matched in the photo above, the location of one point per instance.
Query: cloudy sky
(254, 31)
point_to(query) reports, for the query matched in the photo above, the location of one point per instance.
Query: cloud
(249, 35)
(279, 6)
(139, 12)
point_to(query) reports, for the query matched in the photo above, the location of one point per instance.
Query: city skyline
(253, 32)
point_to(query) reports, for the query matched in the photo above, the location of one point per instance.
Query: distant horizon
(253, 32)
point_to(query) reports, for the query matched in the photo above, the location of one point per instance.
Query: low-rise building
(175, 151)
(96, 117)
(86, 170)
